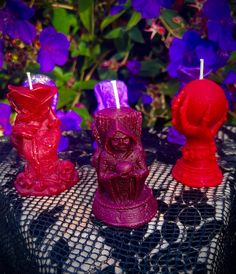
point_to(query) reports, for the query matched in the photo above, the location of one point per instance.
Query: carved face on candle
(120, 142)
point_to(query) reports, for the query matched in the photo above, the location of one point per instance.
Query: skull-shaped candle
(36, 135)
(122, 198)
(198, 112)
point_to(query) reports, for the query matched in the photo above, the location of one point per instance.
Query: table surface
(192, 232)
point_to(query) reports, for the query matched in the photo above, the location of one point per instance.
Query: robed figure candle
(122, 198)
(36, 135)
(198, 112)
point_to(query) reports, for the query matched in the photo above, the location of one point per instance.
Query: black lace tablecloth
(192, 232)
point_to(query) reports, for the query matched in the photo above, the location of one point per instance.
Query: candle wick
(201, 69)
(29, 80)
(115, 90)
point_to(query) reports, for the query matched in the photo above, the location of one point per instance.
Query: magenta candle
(122, 198)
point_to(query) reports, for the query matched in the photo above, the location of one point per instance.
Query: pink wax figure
(122, 198)
(198, 112)
(36, 135)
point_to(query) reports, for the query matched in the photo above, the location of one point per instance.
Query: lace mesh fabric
(193, 231)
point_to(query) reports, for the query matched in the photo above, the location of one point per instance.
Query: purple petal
(208, 53)
(5, 112)
(175, 137)
(46, 62)
(1, 53)
(54, 47)
(70, 120)
(166, 3)
(19, 9)
(230, 78)
(216, 9)
(222, 33)
(63, 144)
(116, 9)
(147, 8)
(146, 99)
(60, 57)
(22, 30)
(133, 66)
(46, 34)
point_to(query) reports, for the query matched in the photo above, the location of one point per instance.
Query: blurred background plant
(154, 46)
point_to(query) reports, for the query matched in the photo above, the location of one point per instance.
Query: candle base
(135, 214)
(209, 176)
(62, 177)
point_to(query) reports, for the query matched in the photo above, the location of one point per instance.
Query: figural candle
(36, 135)
(198, 112)
(122, 198)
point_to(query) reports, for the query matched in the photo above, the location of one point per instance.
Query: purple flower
(230, 78)
(220, 24)
(150, 8)
(53, 49)
(133, 66)
(116, 9)
(216, 9)
(185, 54)
(5, 112)
(63, 144)
(230, 89)
(175, 137)
(14, 21)
(70, 120)
(136, 89)
(1, 53)
(146, 99)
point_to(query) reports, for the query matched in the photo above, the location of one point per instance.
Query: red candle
(122, 198)
(36, 136)
(198, 112)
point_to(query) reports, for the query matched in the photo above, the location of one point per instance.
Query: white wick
(29, 80)
(201, 69)
(116, 93)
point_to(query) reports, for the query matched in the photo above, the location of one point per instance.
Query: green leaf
(170, 88)
(135, 18)
(66, 96)
(109, 19)
(83, 113)
(151, 68)
(136, 35)
(86, 13)
(115, 33)
(167, 15)
(84, 84)
(232, 58)
(122, 43)
(107, 74)
(63, 21)
(58, 72)
(83, 49)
